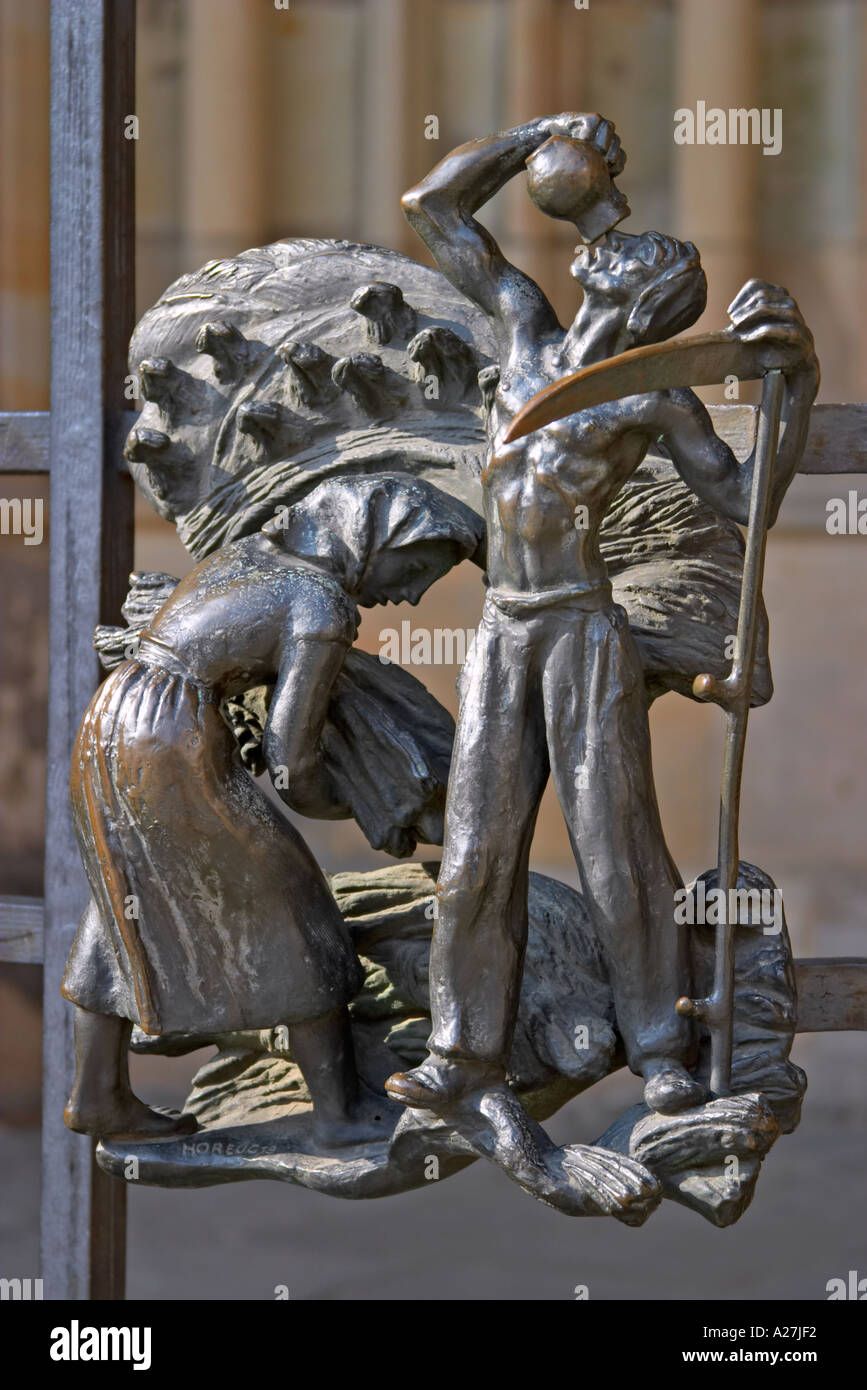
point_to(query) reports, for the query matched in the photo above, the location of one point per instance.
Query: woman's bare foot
(127, 1118)
(102, 1101)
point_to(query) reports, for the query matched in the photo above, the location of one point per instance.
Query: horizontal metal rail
(22, 923)
(24, 439)
(837, 442)
(832, 992)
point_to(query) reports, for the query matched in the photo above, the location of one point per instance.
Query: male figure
(554, 682)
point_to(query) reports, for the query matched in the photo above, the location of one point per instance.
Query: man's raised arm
(440, 209)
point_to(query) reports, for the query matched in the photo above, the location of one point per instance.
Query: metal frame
(92, 314)
(79, 443)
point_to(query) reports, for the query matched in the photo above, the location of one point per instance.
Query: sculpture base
(255, 1112)
(707, 1159)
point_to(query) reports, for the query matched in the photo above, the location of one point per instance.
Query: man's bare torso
(546, 496)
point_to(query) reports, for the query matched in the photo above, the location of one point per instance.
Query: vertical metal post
(92, 309)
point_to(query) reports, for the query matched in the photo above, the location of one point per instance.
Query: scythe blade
(703, 360)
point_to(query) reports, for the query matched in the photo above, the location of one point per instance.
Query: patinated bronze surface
(332, 425)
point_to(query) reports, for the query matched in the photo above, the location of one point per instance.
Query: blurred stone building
(258, 122)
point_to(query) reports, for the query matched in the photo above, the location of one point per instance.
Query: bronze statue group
(208, 911)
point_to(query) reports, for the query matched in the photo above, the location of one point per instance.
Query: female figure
(209, 912)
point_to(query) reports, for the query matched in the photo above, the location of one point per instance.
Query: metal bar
(92, 172)
(24, 439)
(21, 927)
(832, 995)
(832, 991)
(836, 443)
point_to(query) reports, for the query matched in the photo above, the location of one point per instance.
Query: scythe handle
(736, 691)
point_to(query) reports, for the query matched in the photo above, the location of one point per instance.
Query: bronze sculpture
(294, 397)
(550, 623)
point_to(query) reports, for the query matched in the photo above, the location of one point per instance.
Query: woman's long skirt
(209, 912)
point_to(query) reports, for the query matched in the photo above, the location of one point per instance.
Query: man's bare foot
(127, 1118)
(580, 1180)
(669, 1087)
(442, 1081)
(370, 1120)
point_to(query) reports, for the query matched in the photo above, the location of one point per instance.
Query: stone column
(715, 186)
(24, 200)
(161, 148)
(400, 89)
(548, 44)
(224, 131)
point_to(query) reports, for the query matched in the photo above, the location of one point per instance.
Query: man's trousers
(556, 688)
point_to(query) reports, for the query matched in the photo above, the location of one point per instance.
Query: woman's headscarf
(348, 523)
